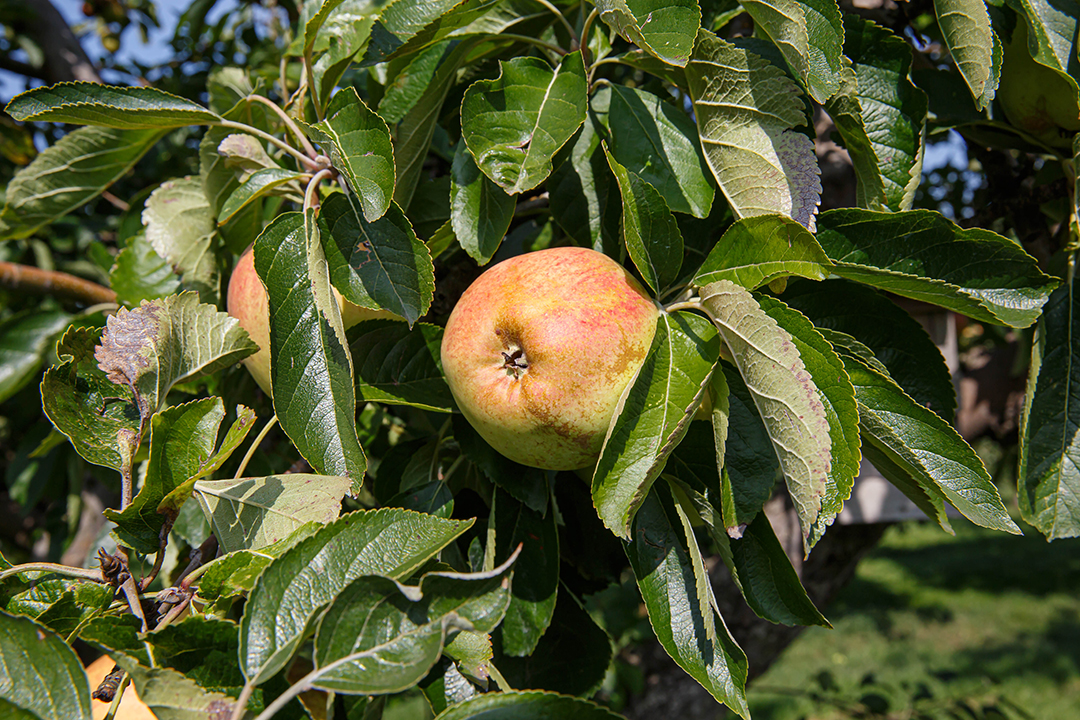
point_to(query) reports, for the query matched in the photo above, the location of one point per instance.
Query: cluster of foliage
(388, 151)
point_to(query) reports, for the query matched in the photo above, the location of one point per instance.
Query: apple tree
(343, 533)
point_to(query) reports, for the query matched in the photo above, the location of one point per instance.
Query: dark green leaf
(746, 109)
(527, 705)
(922, 255)
(515, 124)
(408, 85)
(433, 498)
(664, 28)
(658, 142)
(172, 696)
(399, 21)
(25, 339)
(649, 229)
(295, 587)
(42, 674)
(526, 484)
(480, 210)
(377, 265)
(87, 103)
(69, 174)
(653, 415)
(400, 366)
(310, 370)
(1049, 476)
(536, 580)
(666, 578)
(756, 250)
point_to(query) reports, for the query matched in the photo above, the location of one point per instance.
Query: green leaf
(25, 339)
(965, 25)
(381, 637)
(898, 340)
(408, 85)
(181, 439)
(180, 226)
(310, 367)
(925, 446)
(784, 392)
(78, 399)
(471, 17)
(42, 674)
(658, 142)
(251, 513)
(60, 604)
(837, 396)
(536, 580)
(664, 28)
(923, 256)
(881, 116)
(69, 174)
(433, 498)
(525, 484)
(926, 496)
(400, 366)
(296, 586)
(258, 184)
(666, 578)
(653, 415)
(649, 229)
(746, 109)
(400, 21)
(1053, 26)
(358, 144)
(756, 250)
(572, 657)
(165, 342)
(380, 264)
(768, 581)
(515, 124)
(526, 705)
(87, 103)
(343, 35)
(1049, 475)
(139, 273)
(811, 37)
(235, 573)
(480, 211)
(172, 696)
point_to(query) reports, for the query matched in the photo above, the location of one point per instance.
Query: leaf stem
(532, 41)
(309, 73)
(289, 122)
(686, 305)
(585, 29)
(254, 446)
(114, 706)
(242, 700)
(311, 199)
(30, 279)
(131, 592)
(562, 18)
(307, 162)
(66, 570)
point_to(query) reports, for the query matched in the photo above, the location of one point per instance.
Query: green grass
(933, 623)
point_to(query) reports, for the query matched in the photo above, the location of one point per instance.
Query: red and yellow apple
(248, 303)
(539, 350)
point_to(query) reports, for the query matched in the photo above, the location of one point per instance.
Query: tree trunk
(64, 58)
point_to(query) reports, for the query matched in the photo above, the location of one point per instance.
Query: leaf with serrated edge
(513, 125)
(652, 236)
(664, 28)
(87, 103)
(259, 183)
(1049, 476)
(25, 339)
(78, 168)
(42, 674)
(379, 636)
(251, 513)
(662, 567)
(746, 110)
(922, 255)
(173, 696)
(784, 392)
(180, 226)
(296, 586)
(480, 210)
(310, 366)
(652, 416)
(976, 49)
(756, 250)
(139, 273)
(523, 705)
(926, 446)
(400, 366)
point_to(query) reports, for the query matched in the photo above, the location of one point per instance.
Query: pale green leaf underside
(746, 110)
(784, 392)
(180, 226)
(973, 44)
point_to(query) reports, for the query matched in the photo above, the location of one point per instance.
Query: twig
(26, 278)
(163, 541)
(131, 592)
(289, 122)
(66, 570)
(308, 162)
(254, 446)
(569, 28)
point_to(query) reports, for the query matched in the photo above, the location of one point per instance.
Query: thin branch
(569, 28)
(29, 279)
(532, 41)
(311, 195)
(21, 68)
(131, 592)
(241, 702)
(65, 570)
(254, 446)
(308, 162)
(289, 122)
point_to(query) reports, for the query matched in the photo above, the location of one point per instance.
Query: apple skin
(247, 302)
(539, 349)
(1036, 99)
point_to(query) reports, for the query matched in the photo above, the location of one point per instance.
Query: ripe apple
(539, 349)
(1035, 98)
(248, 303)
